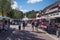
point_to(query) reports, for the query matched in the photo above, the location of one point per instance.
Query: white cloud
(34, 1)
(15, 5)
(18, 7)
(23, 10)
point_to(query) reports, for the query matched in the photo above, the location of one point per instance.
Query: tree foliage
(31, 14)
(11, 14)
(15, 14)
(5, 6)
(5, 9)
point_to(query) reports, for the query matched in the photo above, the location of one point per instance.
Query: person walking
(1, 25)
(36, 25)
(5, 25)
(19, 25)
(24, 25)
(32, 25)
(49, 28)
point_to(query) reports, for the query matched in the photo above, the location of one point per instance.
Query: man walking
(24, 25)
(32, 25)
(19, 22)
(36, 25)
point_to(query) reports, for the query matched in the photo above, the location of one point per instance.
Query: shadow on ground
(40, 32)
(13, 34)
(51, 32)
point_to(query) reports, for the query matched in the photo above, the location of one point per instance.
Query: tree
(5, 6)
(15, 14)
(11, 14)
(31, 14)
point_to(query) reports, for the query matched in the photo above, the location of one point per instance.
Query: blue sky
(28, 5)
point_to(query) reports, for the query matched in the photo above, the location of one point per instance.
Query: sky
(28, 5)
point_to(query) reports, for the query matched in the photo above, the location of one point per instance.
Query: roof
(52, 5)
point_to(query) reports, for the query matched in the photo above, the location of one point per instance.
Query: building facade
(52, 12)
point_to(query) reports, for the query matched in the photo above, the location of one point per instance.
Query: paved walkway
(27, 34)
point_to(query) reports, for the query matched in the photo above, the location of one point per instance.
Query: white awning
(1, 18)
(25, 19)
(38, 18)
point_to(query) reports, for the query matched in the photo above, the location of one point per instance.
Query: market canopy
(25, 19)
(1, 18)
